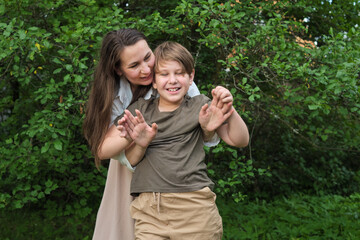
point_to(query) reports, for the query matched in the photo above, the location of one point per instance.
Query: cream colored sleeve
(124, 161)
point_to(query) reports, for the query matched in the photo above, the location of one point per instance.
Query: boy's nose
(172, 78)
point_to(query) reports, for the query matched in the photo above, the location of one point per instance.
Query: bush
(300, 102)
(297, 217)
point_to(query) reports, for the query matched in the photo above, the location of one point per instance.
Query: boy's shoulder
(141, 103)
(198, 98)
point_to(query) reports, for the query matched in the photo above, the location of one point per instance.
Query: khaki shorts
(189, 215)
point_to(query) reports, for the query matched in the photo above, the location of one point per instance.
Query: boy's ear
(191, 77)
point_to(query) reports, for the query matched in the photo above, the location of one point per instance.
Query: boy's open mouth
(173, 89)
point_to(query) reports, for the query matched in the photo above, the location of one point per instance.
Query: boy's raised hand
(137, 129)
(213, 116)
(122, 128)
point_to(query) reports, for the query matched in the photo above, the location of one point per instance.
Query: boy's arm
(134, 154)
(140, 132)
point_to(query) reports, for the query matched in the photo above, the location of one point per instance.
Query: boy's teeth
(173, 89)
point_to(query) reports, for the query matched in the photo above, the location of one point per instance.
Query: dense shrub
(297, 217)
(300, 101)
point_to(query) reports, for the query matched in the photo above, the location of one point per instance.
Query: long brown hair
(105, 85)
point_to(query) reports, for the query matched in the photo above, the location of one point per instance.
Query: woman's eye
(147, 57)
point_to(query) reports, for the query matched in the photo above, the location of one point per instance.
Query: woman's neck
(133, 88)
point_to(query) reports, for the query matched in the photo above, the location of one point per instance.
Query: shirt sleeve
(124, 161)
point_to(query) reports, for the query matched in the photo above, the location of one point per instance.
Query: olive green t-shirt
(174, 161)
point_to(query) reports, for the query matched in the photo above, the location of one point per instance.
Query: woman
(124, 73)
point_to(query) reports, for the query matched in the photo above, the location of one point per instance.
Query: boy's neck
(166, 106)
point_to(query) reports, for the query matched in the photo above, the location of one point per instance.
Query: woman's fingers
(227, 107)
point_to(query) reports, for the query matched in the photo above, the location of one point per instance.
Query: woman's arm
(234, 132)
(221, 117)
(113, 144)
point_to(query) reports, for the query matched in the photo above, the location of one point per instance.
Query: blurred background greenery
(293, 68)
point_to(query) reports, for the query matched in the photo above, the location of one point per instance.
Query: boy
(174, 197)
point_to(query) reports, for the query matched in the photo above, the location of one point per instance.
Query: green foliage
(33, 224)
(47, 62)
(300, 101)
(340, 16)
(297, 217)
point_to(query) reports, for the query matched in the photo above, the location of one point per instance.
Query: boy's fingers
(154, 126)
(130, 119)
(205, 107)
(140, 117)
(130, 116)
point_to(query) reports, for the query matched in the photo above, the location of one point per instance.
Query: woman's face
(137, 64)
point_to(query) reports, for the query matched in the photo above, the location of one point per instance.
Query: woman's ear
(154, 84)
(118, 71)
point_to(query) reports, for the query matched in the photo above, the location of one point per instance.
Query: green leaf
(45, 148)
(22, 34)
(69, 67)
(57, 70)
(58, 145)
(313, 107)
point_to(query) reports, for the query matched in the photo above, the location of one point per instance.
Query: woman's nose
(145, 68)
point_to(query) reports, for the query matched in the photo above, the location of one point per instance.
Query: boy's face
(172, 83)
